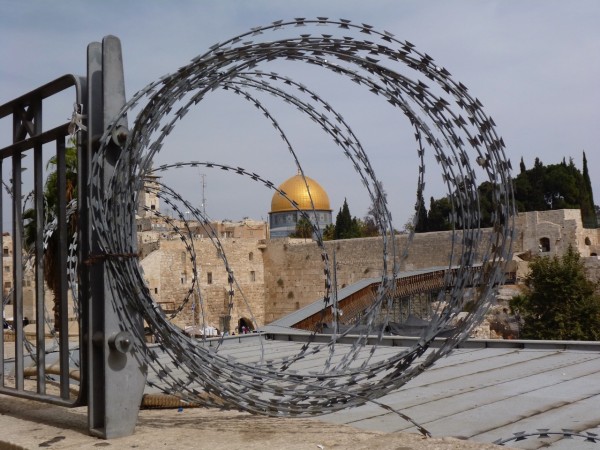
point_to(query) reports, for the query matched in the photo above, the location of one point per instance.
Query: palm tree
(51, 268)
(304, 229)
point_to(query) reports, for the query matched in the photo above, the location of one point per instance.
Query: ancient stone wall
(7, 263)
(561, 228)
(169, 276)
(294, 269)
(288, 273)
(592, 268)
(146, 248)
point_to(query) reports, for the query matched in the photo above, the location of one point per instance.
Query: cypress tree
(522, 166)
(588, 210)
(438, 218)
(343, 223)
(421, 213)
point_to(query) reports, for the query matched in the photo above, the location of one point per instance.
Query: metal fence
(27, 247)
(51, 233)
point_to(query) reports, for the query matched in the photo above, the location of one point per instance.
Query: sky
(533, 64)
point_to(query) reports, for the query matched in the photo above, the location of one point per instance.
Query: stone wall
(592, 268)
(169, 276)
(561, 227)
(294, 269)
(289, 273)
(7, 263)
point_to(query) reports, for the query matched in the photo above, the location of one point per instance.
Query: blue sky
(533, 64)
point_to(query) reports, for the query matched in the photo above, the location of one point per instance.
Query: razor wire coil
(276, 386)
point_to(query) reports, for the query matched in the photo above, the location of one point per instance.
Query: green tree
(438, 218)
(329, 232)
(346, 226)
(357, 228)
(588, 209)
(343, 222)
(562, 184)
(522, 167)
(51, 268)
(529, 188)
(373, 221)
(304, 229)
(560, 302)
(486, 191)
(368, 227)
(409, 226)
(422, 224)
(557, 186)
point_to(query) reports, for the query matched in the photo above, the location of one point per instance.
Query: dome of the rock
(308, 196)
(296, 189)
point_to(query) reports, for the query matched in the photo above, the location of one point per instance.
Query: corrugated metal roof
(484, 391)
(487, 394)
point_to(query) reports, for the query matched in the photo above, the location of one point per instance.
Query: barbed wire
(547, 433)
(279, 387)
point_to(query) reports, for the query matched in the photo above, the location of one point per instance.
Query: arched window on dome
(250, 256)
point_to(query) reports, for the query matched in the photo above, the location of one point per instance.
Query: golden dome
(295, 189)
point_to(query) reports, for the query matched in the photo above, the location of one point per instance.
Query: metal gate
(55, 231)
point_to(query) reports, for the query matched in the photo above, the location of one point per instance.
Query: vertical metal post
(94, 378)
(38, 186)
(115, 380)
(1, 278)
(62, 291)
(17, 261)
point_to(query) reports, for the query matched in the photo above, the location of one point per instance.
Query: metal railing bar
(2, 275)
(27, 135)
(17, 266)
(40, 324)
(40, 139)
(62, 264)
(45, 91)
(35, 396)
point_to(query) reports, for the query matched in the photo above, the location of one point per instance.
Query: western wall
(278, 276)
(169, 275)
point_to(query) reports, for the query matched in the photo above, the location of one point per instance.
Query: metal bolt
(120, 342)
